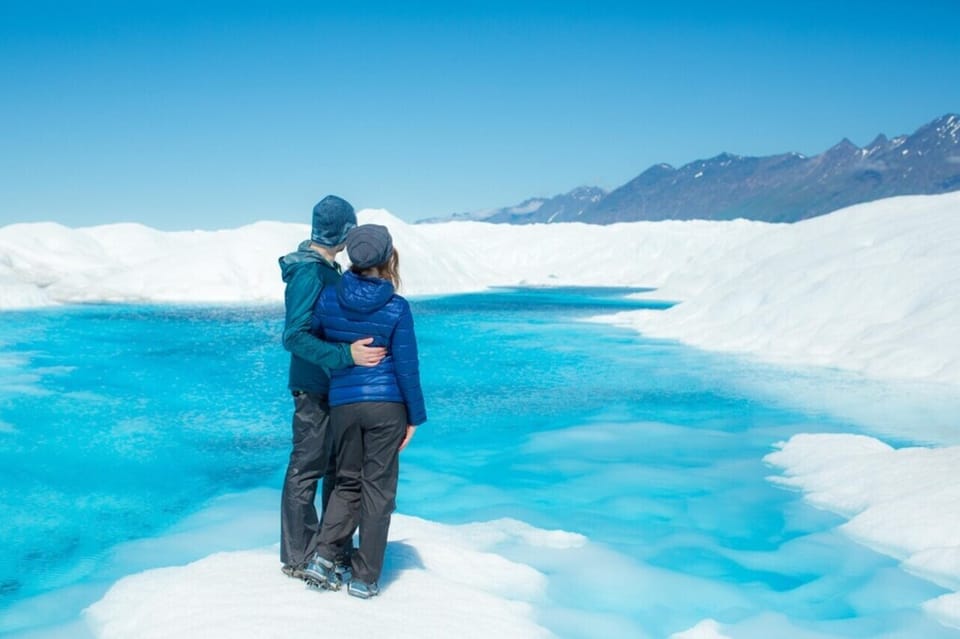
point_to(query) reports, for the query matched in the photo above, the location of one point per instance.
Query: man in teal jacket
(306, 271)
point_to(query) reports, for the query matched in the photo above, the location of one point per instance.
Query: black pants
(310, 460)
(368, 437)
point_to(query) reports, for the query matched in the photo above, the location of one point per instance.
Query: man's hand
(411, 429)
(364, 355)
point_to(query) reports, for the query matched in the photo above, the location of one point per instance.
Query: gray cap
(332, 218)
(369, 245)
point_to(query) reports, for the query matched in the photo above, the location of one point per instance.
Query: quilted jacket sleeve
(406, 361)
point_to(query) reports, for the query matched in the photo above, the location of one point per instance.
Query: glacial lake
(119, 422)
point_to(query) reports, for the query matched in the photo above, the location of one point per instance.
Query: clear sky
(216, 114)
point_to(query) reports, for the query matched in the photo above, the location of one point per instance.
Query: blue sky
(216, 114)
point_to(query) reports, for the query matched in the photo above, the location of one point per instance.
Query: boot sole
(320, 584)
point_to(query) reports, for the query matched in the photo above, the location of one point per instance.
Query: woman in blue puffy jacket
(374, 411)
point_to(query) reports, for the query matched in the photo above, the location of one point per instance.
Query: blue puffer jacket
(359, 307)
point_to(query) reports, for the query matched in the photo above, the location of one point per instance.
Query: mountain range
(777, 188)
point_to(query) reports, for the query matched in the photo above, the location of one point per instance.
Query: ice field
(795, 479)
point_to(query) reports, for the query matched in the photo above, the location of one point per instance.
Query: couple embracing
(355, 380)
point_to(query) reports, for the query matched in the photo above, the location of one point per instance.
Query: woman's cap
(369, 245)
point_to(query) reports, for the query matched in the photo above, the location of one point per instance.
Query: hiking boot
(294, 572)
(342, 564)
(320, 574)
(362, 589)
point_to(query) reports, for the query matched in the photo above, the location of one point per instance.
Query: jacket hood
(304, 255)
(363, 294)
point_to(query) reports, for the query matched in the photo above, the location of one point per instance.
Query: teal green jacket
(305, 273)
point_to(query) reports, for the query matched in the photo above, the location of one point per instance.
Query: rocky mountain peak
(843, 147)
(878, 142)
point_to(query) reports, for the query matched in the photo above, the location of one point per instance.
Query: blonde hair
(388, 270)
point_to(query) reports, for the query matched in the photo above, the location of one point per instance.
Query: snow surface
(901, 502)
(873, 288)
(444, 583)
(706, 629)
(439, 581)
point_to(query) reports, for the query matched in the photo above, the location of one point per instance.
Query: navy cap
(369, 245)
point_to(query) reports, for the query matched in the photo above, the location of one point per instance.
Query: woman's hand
(411, 429)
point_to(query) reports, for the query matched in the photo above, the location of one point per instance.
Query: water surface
(117, 422)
